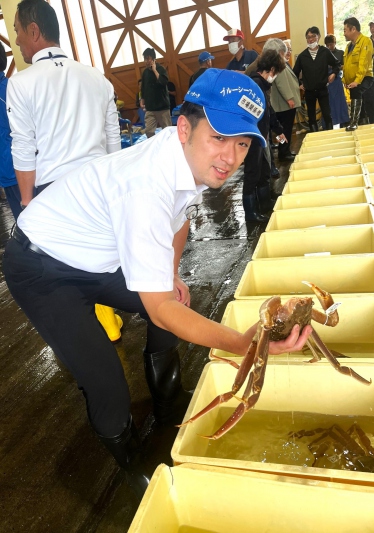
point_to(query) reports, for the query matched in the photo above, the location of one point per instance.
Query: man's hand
(181, 291)
(291, 103)
(331, 78)
(352, 85)
(293, 343)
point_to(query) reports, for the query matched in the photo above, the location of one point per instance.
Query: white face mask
(313, 45)
(234, 48)
(271, 78)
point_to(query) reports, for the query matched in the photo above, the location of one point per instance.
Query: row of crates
(322, 231)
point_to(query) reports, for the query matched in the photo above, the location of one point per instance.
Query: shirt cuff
(111, 148)
(19, 164)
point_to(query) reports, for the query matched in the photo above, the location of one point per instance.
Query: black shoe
(288, 157)
(170, 400)
(126, 450)
(274, 146)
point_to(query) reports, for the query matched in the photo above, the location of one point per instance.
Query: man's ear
(183, 129)
(34, 31)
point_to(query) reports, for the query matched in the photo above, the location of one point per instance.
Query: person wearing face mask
(313, 66)
(285, 99)
(242, 57)
(256, 179)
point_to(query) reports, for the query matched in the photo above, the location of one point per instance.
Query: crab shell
(295, 311)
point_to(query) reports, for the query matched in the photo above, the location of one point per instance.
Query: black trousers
(256, 168)
(311, 97)
(286, 118)
(60, 302)
(365, 91)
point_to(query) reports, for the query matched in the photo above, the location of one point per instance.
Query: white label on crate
(317, 253)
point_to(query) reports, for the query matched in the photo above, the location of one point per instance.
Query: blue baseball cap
(233, 103)
(204, 56)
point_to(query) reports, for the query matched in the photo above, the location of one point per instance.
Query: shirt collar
(55, 50)
(184, 178)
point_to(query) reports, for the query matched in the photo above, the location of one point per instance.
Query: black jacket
(269, 119)
(315, 71)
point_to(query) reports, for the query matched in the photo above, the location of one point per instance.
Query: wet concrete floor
(55, 476)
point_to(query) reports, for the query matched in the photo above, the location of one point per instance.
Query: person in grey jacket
(285, 99)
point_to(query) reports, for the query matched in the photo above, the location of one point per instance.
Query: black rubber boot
(329, 125)
(170, 400)
(265, 201)
(126, 450)
(355, 115)
(313, 126)
(251, 209)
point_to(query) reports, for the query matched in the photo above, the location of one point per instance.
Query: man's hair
(40, 12)
(3, 59)
(313, 29)
(352, 22)
(270, 59)
(193, 112)
(330, 39)
(275, 44)
(149, 52)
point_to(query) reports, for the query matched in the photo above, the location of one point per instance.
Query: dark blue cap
(204, 56)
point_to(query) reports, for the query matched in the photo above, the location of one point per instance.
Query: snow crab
(276, 323)
(349, 450)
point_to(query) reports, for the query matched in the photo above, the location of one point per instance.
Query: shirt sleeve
(163, 76)
(23, 130)
(112, 130)
(365, 58)
(141, 223)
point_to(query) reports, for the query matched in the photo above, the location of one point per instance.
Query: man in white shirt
(120, 242)
(61, 113)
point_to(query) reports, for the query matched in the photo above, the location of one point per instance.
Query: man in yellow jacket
(357, 67)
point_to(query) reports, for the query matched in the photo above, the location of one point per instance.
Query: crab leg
(225, 360)
(362, 438)
(254, 386)
(346, 370)
(242, 373)
(326, 301)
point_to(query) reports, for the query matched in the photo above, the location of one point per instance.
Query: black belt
(20, 237)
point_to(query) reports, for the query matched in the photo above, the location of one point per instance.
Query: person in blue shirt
(8, 178)
(242, 57)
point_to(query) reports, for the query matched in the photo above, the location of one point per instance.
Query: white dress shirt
(62, 114)
(122, 209)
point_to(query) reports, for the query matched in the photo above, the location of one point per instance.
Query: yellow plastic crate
(364, 143)
(338, 274)
(324, 154)
(320, 184)
(326, 197)
(327, 172)
(290, 387)
(342, 240)
(203, 499)
(337, 215)
(326, 162)
(368, 157)
(327, 136)
(315, 148)
(352, 337)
